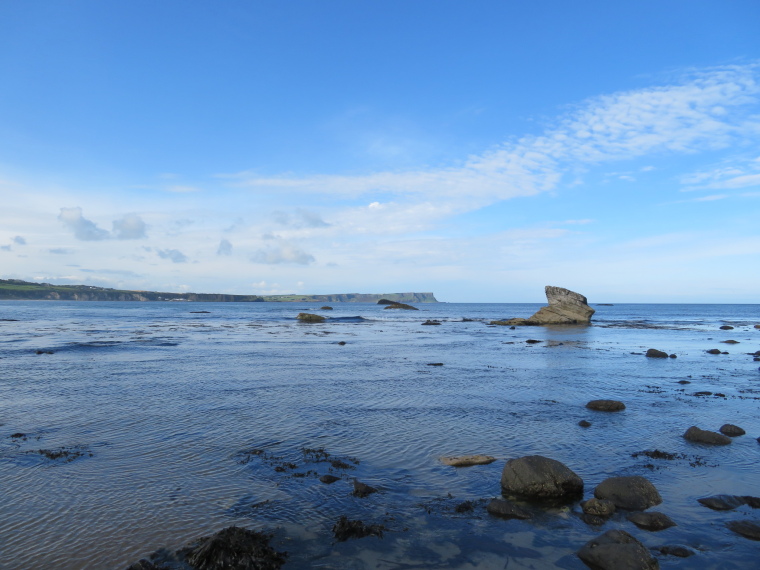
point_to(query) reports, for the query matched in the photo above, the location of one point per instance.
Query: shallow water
(160, 408)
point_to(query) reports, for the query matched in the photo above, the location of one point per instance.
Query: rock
(704, 436)
(540, 478)
(345, 529)
(747, 529)
(673, 356)
(467, 460)
(533, 341)
(676, 550)
(507, 510)
(429, 322)
(722, 502)
(731, 430)
(598, 507)
(730, 341)
(757, 326)
(361, 490)
(464, 507)
(654, 353)
(713, 351)
(385, 302)
(235, 547)
(310, 318)
(326, 308)
(753, 502)
(329, 479)
(633, 493)
(509, 322)
(617, 550)
(584, 423)
(342, 343)
(401, 306)
(726, 328)
(565, 308)
(606, 405)
(435, 363)
(651, 521)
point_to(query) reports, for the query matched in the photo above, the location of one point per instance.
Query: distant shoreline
(17, 290)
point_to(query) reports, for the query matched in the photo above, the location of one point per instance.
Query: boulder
(598, 507)
(467, 460)
(704, 436)
(606, 405)
(731, 430)
(747, 529)
(540, 478)
(654, 353)
(713, 351)
(310, 318)
(362, 490)
(634, 493)
(507, 510)
(235, 547)
(345, 529)
(757, 326)
(433, 322)
(329, 479)
(617, 550)
(401, 306)
(651, 521)
(584, 423)
(326, 308)
(726, 328)
(565, 308)
(676, 550)
(722, 502)
(386, 302)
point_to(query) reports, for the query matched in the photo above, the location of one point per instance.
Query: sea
(133, 429)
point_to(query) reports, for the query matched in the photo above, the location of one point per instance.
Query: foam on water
(156, 407)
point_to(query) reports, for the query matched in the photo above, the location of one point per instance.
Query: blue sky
(479, 150)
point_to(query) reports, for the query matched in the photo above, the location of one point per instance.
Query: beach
(165, 422)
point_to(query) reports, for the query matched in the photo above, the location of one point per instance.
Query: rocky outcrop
(310, 318)
(565, 308)
(540, 478)
(705, 436)
(401, 306)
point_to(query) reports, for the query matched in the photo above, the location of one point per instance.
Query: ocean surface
(160, 423)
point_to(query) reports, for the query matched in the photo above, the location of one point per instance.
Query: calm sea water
(178, 424)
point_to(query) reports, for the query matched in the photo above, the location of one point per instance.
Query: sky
(479, 150)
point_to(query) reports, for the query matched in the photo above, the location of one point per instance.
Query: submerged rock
(467, 460)
(326, 308)
(731, 430)
(237, 548)
(676, 550)
(722, 502)
(429, 322)
(584, 423)
(598, 507)
(310, 318)
(540, 478)
(713, 351)
(345, 529)
(606, 405)
(617, 550)
(329, 479)
(704, 436)
(633, 493)
(654, 353)
(651, 520)
(506, 510)
(362, 490)
(747, 529)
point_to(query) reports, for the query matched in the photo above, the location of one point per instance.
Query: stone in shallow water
(731, 430)
(362, 490)
(606, 405)
(651, 520)
(722, 502)
(540, 478)
(704, 436)
(617, 550)
(598, 507)
(747, 529)
(676, 550)
(467, 460)
(654, 353)
(633, 493)
(507, 510)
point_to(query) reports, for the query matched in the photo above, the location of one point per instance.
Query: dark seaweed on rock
(235, 548)
(345, 529)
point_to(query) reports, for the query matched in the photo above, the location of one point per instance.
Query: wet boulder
(634, 493)
(467, 460)
(598, 507)
(606, 405)
(617, 550)
(745, 528)
(310, 318)
(705, 436)
(534, 477)
(654, 353)
(362, 490)
(731, 430)
(653, 520)
(676, 550)
(326, 308)
(722, 502)
(726, 328)
(345, 529)
(713, 351)
(506, 510)
(329, 479)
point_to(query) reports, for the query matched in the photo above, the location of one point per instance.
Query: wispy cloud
(282, 252)
(174, 255)
(225, 248)
(83, 228)
(130, 226)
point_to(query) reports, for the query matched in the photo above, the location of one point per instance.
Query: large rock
(506, 510)
(565, 308)
(467, 460)
(617, 550)
(606, 405)
(705, 436)
(651, 521)
(540, 478)
(401, 306)
(310, 318)
(634, 493)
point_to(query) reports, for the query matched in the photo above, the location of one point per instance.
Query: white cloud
(131, 226)
(174, 255)
(281, 253)
(83, 228)
(18, 240)
(225, 248)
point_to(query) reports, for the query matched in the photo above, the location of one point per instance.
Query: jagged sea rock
(540, 478)
(565, 308)
(705, 436)
(310, 318)
(633, 493)
(722, 502)
(617, 550)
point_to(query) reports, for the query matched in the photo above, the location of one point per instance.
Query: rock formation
(565, 308)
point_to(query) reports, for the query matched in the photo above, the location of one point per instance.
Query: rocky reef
(565, 308)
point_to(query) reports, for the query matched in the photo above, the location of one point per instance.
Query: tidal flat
(128, 429)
